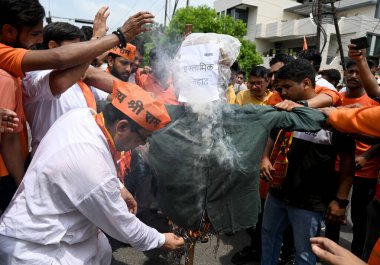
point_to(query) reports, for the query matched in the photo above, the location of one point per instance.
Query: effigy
(207, 160)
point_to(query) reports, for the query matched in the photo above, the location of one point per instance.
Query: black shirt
(311, 181)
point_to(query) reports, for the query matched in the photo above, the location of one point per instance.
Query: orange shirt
(335, 95)
(374, 258)
(11, 59)
(163, 95)
(359, 120)
(371, 169)
(11, 98)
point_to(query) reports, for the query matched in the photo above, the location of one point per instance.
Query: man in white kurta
(71, 192)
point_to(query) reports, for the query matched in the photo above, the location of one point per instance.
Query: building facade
(280, 25)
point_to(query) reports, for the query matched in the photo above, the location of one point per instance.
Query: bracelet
(122, 40)
(303, 102)
(341, 202)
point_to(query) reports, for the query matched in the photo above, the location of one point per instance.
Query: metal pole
(338, 35)
(166, 12)
(319, 18)
(187, 3)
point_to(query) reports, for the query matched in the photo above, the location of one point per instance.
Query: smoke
(209, 107)
(200, 73)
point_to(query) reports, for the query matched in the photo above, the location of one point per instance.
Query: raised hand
(100, 23)
(135, 25)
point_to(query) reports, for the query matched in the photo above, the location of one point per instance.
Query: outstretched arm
(359, 120)
(78, 53)
(295, 117)
(61, 80)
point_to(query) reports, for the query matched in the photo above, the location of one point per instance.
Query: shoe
(246, 255)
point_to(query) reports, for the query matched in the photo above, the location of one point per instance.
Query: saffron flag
(304, 43)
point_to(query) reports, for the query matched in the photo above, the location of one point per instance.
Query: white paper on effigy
(199, 73)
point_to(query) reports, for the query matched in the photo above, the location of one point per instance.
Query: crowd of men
(66, 182)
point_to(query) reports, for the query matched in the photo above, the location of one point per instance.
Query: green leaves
(204, 19)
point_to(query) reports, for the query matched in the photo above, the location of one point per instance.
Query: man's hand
(356, 55)
(100, 23)
(327, 111)
(172, 242)
(287, 105)
(8, 120)
(360, 162)
(335, 214)
(266, 169)
(129, 200)
(329, 251)
(135, 25)
(352, 106)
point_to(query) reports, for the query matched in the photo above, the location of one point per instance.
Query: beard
(123, 77)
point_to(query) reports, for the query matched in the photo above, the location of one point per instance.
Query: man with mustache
(364, 182)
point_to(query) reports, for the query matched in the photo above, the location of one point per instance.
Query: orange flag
(304, 43)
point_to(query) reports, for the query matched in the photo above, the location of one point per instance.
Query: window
(238, 13)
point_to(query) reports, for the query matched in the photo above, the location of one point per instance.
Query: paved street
(205, 253)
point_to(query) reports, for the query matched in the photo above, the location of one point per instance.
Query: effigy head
(203, 66)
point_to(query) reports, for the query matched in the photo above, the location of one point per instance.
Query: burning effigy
(207, 160)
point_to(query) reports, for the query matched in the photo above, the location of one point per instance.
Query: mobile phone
(361, 43)
(188, 28)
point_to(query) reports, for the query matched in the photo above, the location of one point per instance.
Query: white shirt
(42, 109)
(70, 189)
(239, 87)
(320, 81)
(132, 78)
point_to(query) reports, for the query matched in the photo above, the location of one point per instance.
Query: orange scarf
(99, 118)
(88, 95)
(279, 158)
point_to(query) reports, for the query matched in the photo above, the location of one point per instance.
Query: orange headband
(126, 52)
(139, 105)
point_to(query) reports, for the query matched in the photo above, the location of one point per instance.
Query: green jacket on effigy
(217, 174)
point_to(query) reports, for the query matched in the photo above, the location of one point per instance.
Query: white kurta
(43, 109)
(69, 190)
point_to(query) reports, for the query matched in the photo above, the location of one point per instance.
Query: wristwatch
(341, 203)
(303, 102)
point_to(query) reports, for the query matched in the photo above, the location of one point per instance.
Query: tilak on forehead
(127, 52)
(140, 106)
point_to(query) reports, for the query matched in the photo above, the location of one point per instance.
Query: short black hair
(297, 71)
(113, 55)
(87, 31)
(311, 55)
(241, 72)
(374, 59)
(112, 114)
(350, 63)
(21, 13)
(59, 32)
(281, 57)
(259, 71)
(331, 74)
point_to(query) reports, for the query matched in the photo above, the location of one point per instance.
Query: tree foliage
(204, 19)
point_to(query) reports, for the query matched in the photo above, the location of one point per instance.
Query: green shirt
(218, 176)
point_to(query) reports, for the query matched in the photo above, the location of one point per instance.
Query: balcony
(285, 29)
